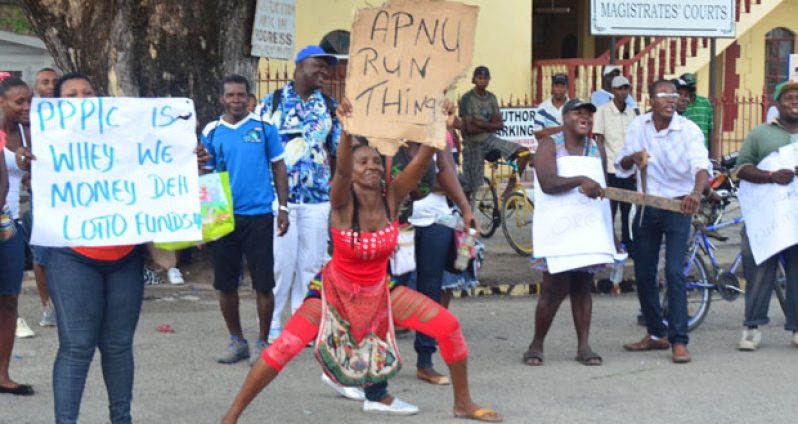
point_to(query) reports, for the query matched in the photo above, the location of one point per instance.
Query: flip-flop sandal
(483, 414)
(533, 359)
(20, 390)
(439, 380)
(590, 359)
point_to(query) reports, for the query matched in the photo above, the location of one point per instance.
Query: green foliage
(15, 21)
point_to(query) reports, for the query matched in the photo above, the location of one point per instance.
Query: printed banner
(273, 31)
(520, 125)
(114, 171)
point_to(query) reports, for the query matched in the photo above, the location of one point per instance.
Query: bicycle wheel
(487, 209)
(780, 286)
(699, 294)
(517, 213)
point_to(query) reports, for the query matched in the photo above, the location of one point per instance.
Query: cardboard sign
(403, 55)
(773, 228)
(570, 227)
(114, 171)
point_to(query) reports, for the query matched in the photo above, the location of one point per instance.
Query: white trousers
(299, 254)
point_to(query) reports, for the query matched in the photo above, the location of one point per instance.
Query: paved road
(177, 380)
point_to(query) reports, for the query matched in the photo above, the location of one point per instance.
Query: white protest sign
(114, 171)
(519, 126)
(773, 228)
(571, 223)
(274, 28)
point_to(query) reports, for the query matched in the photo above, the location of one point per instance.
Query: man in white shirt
(605, 94)
(549, 115)
(609, 128)
(677, 167)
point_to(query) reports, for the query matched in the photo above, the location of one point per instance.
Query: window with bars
(779, 44)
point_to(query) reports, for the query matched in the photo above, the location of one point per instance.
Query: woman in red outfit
(364, 229)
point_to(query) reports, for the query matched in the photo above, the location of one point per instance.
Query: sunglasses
(667, 96)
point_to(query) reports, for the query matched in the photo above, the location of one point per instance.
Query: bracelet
(283, 208)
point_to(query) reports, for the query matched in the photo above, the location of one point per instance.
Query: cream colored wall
(503, 39)
(751, 64)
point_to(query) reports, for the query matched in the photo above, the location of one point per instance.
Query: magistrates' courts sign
(673, 18)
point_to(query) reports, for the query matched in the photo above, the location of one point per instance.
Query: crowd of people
(301, 183)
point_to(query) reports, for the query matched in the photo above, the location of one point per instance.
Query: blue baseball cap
(315, 51)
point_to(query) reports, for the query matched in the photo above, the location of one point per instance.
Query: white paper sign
(569, 225)
(773, 228)
(114, 171)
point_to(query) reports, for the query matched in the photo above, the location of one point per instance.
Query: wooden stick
(629, 196)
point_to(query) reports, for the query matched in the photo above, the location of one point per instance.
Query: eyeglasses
(667, 96)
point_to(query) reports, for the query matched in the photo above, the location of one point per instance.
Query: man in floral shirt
(306, 122)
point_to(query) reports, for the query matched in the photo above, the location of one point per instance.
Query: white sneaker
(48, 317)
(175, 277)
(795, 338)
(397, 407)
(23, 330)
(751, 339)
(351, 393)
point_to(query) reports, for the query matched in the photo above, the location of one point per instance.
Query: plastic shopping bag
(216, 208)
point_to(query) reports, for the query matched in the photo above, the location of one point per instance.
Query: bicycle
(514, 213)
(700, 283)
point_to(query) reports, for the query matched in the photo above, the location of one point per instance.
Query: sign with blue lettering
(114, 171)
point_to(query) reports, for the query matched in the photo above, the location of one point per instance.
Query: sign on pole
(669, 18)
(273, 31)
(403, 55)
(114, 171)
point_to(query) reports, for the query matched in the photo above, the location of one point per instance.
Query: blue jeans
(647, 239)
(433, 245)
(97, 305)
(759, 285)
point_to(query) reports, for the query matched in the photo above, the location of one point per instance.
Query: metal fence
(735, 116)
(277, 75)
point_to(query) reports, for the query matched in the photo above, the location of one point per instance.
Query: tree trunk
(150, 48)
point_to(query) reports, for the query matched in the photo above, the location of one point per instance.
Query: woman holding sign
(97, 292)
(12, 246)
(351, 315)
(578, 283)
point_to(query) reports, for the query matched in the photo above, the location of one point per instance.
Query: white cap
(611, 68)
(620, 81)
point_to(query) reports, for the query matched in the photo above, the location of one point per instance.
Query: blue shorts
(12, 264)
(40, 253)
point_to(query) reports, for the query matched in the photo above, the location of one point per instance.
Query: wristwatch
(283, 208)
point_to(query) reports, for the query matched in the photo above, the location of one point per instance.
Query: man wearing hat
(610, 123)
(603, 95)
(548, 119)
(309, 132)
(699, 109)
(479, 111)
(761, 142)
(668, 154)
